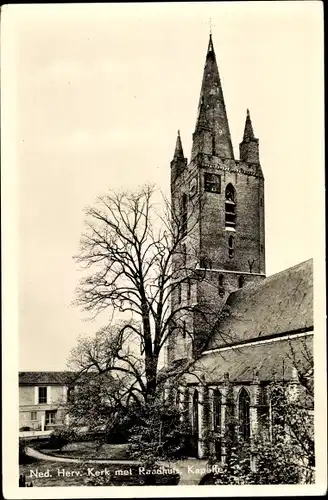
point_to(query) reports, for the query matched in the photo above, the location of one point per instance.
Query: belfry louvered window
(230, 207)
(212, 183)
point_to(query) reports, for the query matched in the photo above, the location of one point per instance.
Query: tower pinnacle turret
(179, 161)
(249, 147)
(248, 131)
(178, 153)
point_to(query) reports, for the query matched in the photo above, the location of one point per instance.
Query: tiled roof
(269, 359)
(280, 303)
(58, 378)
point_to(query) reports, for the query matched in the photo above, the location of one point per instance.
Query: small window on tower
(188, 290)
(241, 281)
(220, 280)
(179, 293)
(184, 255)
(184, 330)
(184, 214)
(230, 207)
(231, 247)
(212, 183)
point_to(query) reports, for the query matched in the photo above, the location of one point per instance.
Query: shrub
(158, 434)
(25, 428)
(60, 437)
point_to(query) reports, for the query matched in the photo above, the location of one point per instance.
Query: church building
(238, 329)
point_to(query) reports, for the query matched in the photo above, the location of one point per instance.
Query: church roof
(268, 361)
(279, 304)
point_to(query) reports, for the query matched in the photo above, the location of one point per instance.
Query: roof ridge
(289, 268)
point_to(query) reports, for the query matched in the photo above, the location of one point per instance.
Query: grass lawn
(51, 473)
(90, 449)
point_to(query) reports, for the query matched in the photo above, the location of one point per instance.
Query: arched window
(179, 293)
(184, 330)
(231, 245)
(217, 400)
(188, 290)
(221, 289)
(217, 408)
(230, 206)
(277, 404)
(244, 425)
(184, 210)
(194, 422)
(177, 398)
(241, 281)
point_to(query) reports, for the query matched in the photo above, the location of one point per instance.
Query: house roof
(59, 378)
(280, 303)
(269, 360)
(51, 378)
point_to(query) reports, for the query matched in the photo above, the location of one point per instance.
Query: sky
(99, 92)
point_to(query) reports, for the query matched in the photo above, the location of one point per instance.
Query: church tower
(225, 242)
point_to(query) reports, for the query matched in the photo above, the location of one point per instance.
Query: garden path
(191, 470)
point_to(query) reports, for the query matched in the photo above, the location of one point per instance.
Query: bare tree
(128, 245)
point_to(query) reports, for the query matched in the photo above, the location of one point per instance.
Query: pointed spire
(178, 153)
(212, 124)
(248, 131)
(210, 48)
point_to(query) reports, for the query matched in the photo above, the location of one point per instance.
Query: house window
(184, 215)
(50, 417)
(244, 424)
(212, 183)
(230, 207)
(34, 415)
(42, 395)
(241, 281)
(231, 247)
